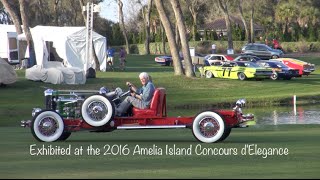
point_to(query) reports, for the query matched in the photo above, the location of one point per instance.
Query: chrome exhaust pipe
(26, 123)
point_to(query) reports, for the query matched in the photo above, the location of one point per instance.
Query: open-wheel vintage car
(69, 111)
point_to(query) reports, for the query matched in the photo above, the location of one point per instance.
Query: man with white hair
(140, 98)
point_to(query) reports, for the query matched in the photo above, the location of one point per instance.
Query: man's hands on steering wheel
(132, 89)
(130, 85)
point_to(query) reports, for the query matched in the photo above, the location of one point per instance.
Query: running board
(152, 127)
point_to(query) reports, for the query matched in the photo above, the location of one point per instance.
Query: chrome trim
(152, 127)
(247, 117)
(48, 92)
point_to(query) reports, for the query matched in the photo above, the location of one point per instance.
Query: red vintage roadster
(69, 111)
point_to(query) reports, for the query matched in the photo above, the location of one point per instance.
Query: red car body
(303, 67)
(207, 126)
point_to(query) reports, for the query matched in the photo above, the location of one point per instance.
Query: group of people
(122, 58)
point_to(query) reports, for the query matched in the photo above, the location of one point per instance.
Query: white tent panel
(70, 44)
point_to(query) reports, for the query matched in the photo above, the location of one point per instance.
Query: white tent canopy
(70, 45)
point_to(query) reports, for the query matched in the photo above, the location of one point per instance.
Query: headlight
(35, 111)
(48, 92)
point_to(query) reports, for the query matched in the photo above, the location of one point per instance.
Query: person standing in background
(122, 58)
(213, 48)
(110, 54)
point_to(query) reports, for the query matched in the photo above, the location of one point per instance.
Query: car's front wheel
(242, 76)
(97, 110)
(47, 126)
(274, 76)
(208, 127)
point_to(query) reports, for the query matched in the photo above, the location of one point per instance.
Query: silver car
(261, 50)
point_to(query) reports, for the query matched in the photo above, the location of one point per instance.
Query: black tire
(226, 134)
(97, 110)
(242, 76)
(64, 136)
(209, 74)
(47, 126)
(208, 127)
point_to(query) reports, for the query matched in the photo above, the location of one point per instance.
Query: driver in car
(140, 98)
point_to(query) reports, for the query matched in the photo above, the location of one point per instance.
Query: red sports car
(305, 68)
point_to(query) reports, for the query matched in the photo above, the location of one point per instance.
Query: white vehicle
(211, 58)
(9, 47)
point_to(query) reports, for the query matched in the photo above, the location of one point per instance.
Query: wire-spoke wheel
(97, 110)
(47, 126)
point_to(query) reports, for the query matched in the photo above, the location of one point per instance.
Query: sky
(109, 9)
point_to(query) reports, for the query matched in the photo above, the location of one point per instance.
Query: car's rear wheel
(209, 74)
(242, 76)
(208, 127)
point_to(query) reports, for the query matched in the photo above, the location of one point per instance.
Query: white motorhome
(9, 47)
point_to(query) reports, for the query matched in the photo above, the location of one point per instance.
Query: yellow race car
(236, 70)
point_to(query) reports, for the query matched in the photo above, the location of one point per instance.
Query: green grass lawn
(302, 141)
(301, 161)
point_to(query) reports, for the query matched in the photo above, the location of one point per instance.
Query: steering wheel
(121, 94)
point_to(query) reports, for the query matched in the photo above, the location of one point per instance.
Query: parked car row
(282, 68)
(248, 64)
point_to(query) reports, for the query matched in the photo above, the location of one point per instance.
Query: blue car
(280, 70)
